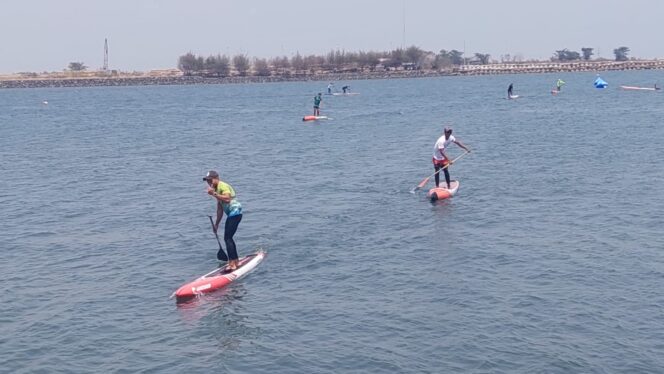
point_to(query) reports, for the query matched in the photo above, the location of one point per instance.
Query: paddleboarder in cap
(224, 194)
(440, 158)
(317, 99)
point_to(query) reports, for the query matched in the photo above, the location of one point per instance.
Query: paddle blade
(419, 186)
(221, 255)
(423, 183)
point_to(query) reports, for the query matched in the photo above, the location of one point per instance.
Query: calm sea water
(549, 259)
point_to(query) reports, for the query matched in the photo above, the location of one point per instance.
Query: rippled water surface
(549, 259)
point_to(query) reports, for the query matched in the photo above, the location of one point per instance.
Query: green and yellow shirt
(233, 208)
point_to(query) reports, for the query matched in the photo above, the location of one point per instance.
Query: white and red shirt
(441, 144)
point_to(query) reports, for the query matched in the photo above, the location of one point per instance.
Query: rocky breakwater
(51, 82)
(175, 77)
(557, 67)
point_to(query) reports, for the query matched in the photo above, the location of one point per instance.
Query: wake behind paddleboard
(442, 192)
(218, 278)
(314, 118)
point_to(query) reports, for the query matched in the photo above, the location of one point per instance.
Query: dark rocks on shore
(188, 80)
(490, 69)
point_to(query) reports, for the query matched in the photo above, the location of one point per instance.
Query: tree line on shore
(340, 61)
(337, 61)
(587, 53)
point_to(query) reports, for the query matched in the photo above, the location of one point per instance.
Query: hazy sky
(45, 35)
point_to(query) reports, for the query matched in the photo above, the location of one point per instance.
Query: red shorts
(440, 163)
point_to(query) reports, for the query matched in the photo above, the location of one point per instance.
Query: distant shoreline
(174, 77)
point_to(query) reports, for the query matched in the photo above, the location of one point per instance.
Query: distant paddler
(329, 88)
(345, 89)
(317, 99)
(559, 84)
(440, 157)
(509, 90)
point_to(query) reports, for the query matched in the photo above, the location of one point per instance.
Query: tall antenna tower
(105, 54)
(403, 39)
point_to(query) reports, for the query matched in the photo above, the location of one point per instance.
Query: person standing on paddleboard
(317, 99)
(226, 203)
(509, 90)
(440, 158)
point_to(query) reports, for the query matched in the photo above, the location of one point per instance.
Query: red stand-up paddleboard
(443, 192)
(218, 278)
(313, 118)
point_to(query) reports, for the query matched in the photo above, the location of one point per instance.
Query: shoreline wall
(465, 70)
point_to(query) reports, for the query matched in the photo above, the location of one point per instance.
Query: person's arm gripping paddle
(442, 152)
(457, 142)
(224, 197)
(426, 180)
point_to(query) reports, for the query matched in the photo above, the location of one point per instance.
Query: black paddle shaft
(221, 255)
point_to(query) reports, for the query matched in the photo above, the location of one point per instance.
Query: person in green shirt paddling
(559, 84)
(317, 99)
(224, 194)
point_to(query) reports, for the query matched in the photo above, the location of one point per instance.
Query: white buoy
(45, 102)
